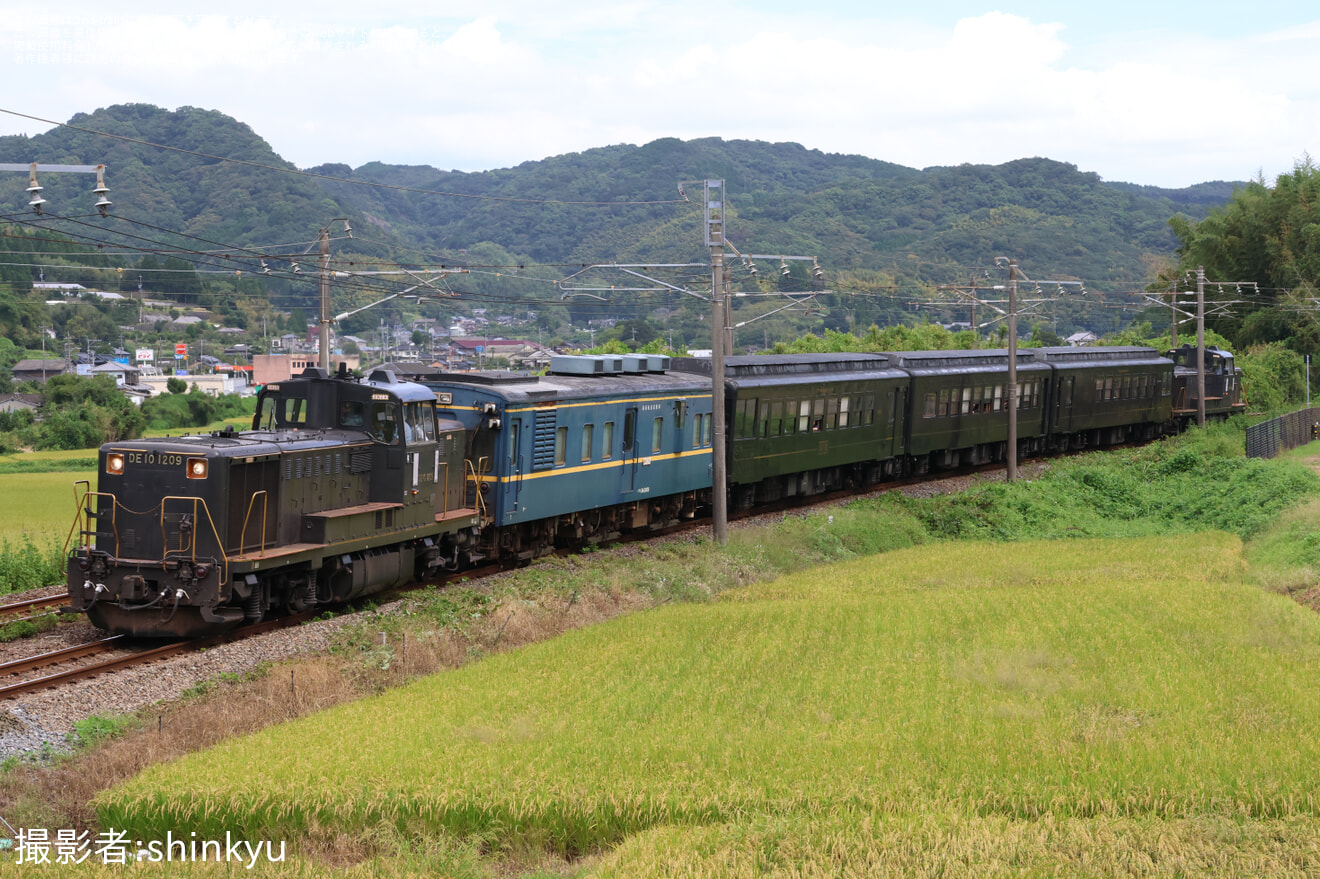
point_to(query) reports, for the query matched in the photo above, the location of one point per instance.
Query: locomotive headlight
(114, 464)
(197, 468)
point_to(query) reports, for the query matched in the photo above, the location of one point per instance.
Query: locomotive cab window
(418, 423)
(383, 422)
(352, 414)
(281, 412)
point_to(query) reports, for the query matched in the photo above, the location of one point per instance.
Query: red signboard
(181, 349)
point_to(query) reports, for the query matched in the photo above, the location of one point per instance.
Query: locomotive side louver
(359, 462)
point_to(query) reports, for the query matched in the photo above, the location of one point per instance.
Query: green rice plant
(42, 505)
(1096, 681)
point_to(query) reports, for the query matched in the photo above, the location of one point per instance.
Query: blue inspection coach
(598, 446)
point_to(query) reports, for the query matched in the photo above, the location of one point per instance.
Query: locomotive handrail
(444, 493)
(224, 556)
(242, 535)
(81, 517)
(476, 474)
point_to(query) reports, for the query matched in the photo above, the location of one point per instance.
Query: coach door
(515, 469)
(896, 399)
(630, 448)
(1063, 409)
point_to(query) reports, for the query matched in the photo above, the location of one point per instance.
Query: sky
(1162, 93)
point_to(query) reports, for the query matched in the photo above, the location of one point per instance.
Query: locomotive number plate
(160, 459)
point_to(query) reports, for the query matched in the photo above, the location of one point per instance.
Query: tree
(176, 385)
(1269, 235)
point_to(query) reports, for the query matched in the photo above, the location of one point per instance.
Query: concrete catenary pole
(1200, 346)
(1012, 372)
(719, 475)
(324, 241)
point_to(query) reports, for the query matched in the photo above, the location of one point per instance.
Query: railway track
(31, 609)
(137, 655)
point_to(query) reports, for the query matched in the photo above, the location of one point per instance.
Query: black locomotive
(341, 488)
(346, 487)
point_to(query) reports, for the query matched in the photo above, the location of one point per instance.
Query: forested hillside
(879, 229)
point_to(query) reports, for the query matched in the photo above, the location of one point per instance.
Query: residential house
(38, 370)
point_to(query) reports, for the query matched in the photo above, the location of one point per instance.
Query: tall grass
(25, 564)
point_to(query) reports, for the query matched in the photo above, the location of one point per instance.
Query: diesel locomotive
(345, 487)
(340, 488)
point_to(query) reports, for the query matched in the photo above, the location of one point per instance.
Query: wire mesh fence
(1269, 438)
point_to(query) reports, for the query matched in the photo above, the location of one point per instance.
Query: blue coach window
(607, 441)
(587, 434)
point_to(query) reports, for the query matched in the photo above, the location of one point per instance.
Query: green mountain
(875, 226)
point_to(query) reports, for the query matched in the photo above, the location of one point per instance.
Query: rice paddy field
(1096, 707)
(37, 514)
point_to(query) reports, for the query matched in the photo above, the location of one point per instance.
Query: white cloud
(429, 83)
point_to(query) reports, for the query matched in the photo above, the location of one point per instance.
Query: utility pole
(1012, 372)
(721, 330)
(1010, 312)
(714, 199)
(1200, 346)
(1173, 317)
(324, 241)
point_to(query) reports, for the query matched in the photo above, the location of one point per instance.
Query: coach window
(587, 435)
(818, 414)
(999, 398)
(763, 419)
(845, 404)
(744, 417)
(384, 422)
(680, 411)
(657, 434)
(607, 441)
(929, 411)
(705, 429)
(561, 440)
(804, 415)
(789, 425)
(776, 417)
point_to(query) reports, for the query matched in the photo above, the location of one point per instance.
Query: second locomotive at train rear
(340, 489)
